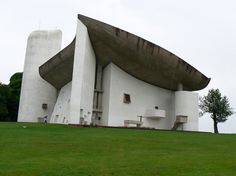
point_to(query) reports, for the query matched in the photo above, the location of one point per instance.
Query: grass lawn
(56, 150)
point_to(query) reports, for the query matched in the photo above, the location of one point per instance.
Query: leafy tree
(217, 105)
(14, 95)
(4, 94)
(9, 98)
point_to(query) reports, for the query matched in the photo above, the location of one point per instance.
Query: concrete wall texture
(61, 111)
(143, 96)
(186, 103)
(73, 103)
(83, 77)
(35, 91)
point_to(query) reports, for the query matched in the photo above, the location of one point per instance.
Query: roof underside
(58, 70)
(136, 56)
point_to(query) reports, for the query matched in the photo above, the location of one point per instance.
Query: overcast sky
(202, 32)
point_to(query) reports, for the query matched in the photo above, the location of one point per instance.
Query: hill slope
(56, 150)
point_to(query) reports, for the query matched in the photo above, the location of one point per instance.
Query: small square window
(44, 106)
(126, 98)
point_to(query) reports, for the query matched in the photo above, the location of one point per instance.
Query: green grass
(56, 150)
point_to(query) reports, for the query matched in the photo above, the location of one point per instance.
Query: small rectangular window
(44, 106)
(126, 98)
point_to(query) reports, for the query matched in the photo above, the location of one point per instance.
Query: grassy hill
(56, 150)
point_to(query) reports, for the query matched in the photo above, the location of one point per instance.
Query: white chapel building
(107, 77)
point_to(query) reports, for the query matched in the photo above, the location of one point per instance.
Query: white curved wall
(82, 89)
(143, 96)
(186, 103)
(61, 112)
(35, 91)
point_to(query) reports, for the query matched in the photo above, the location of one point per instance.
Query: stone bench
(135, 122)
(42, 119)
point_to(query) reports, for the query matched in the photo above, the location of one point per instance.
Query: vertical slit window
(126, 98)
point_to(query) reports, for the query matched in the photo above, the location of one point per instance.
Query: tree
(4, 94)
(14, 95)
(217, 105)
(9, 98)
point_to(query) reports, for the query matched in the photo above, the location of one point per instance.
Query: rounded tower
(38, 97)
(186, 110)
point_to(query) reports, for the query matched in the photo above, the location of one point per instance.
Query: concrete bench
(41, 119)
(135, 122)
(180, 120)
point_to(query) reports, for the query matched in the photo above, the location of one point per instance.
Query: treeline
(9, 98)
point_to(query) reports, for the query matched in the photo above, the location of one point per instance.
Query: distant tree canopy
(217, 105)
(9, 98)
(4, 94)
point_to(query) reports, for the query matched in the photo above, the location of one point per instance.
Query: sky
(202, 32)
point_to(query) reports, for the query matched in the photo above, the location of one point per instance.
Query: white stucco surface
(186, 103)
(35, 91)
(143, 96)
(106, 85)
(83, 77)
(61, 111)
(73, 103)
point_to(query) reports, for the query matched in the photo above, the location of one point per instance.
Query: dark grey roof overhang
(58, 70)
(136, 56)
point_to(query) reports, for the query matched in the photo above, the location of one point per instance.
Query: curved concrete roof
(136, 56)
(58, 70)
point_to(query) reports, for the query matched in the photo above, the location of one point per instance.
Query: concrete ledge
(135, 122)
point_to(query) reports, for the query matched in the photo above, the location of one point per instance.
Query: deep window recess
(44, 106)
(126, 98)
